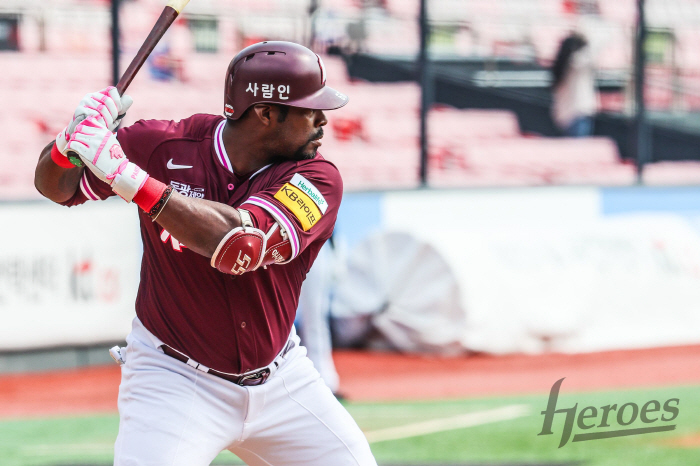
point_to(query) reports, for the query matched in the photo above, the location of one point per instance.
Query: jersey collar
(220, 149)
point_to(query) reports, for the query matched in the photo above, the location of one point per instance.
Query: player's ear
(264, 113)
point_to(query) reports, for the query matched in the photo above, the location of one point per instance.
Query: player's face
(301, 133)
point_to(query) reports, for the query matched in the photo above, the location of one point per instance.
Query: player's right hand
(99, 149)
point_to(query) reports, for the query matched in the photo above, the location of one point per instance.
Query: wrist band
(149, 194)
(60, 159)
(160, 205)
(152, 197)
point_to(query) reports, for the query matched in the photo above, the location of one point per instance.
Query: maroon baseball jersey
(226, 322)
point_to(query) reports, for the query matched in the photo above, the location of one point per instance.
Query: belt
(256, 377)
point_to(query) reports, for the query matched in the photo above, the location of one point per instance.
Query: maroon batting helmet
(278, 72)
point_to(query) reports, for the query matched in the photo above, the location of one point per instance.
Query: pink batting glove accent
(119, 170)
(90, 123)
(116, 152)
(99, 115)
(102, 145)
(75, 140)
(102, 105)
(79, 130)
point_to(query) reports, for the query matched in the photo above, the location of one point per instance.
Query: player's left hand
(99, 149)
(105, 106)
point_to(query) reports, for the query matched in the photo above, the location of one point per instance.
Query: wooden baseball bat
(167, 17)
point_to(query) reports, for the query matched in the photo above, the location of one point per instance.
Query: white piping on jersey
(281, 218)
(263, 168)
(221, 149)
(87, 189)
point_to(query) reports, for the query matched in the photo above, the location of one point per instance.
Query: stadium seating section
(374, 140)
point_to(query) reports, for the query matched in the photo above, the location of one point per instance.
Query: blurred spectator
(573, 86)
(581, 6)
(347, 129)
(9, 32)
(163, 65)
(357, 36)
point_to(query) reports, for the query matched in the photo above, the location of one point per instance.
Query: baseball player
(233, 212)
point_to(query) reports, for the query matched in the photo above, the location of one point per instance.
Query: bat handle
(169, 14)
(121, 86)
(167, 17)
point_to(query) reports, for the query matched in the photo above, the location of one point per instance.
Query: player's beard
(302, 153)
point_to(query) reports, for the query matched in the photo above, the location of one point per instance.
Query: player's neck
(246, 152)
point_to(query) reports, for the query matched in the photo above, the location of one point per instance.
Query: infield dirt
(388, 376)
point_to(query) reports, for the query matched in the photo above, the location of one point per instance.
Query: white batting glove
(106, 107)
(99, 149)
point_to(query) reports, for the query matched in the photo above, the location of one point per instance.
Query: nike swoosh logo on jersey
(172, 166)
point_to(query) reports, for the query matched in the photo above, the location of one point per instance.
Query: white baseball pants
(171, 414)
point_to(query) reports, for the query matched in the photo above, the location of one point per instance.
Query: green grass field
(88, 440)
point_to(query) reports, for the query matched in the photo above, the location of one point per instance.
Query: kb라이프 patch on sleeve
(300, 204)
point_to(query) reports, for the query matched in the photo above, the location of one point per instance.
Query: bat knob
(74, 158)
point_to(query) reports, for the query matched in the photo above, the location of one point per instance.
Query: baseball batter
(233, 212)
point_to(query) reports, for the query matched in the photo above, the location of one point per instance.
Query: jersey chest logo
(188, 189)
